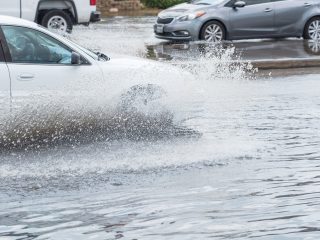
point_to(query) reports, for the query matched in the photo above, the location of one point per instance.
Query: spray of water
(215, 62)
(84, 113)
(129, 105)
(205, 95)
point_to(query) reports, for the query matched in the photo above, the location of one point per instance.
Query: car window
(207, 2)
(254, 2)
(30, 46)
(249, 2)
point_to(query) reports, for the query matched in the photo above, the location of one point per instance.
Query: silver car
(217, 20)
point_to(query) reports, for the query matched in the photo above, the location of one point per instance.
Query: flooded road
(252, 172)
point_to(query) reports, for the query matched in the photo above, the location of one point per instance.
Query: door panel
(4, 88)
(10, 8)
(253, 20)
(32, 77)
(4, 81)
(35, 82)
(288, 14)
(41, 66)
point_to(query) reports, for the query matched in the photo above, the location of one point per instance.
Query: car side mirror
(75, 58)
(239, 4)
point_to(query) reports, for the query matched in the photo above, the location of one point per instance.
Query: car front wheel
(57, 20)
(213, 31)
(140, 95)
(312, 29)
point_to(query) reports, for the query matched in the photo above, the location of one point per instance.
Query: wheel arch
(65, 5)
(307, 21)
(213, 19)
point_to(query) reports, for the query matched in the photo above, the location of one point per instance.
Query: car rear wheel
(57, 20)
(213, 31)
(312, 29)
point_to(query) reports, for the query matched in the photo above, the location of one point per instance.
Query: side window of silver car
(30, 46)
(254, 2)
(248, 2)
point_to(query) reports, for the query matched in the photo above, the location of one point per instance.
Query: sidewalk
(263, 54)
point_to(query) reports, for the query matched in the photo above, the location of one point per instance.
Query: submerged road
(253, 173)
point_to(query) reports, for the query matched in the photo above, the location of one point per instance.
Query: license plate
(159, 28)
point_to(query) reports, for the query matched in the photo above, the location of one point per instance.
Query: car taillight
(93, 2)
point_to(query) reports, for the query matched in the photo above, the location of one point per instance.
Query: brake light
(93, 2)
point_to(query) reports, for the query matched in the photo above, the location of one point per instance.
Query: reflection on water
(312, 47)
(248, 50)
(253, 174)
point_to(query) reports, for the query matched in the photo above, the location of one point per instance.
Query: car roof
(7, 20)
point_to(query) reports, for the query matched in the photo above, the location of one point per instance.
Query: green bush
(161, 3)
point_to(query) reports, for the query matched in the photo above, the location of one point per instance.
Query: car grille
(164, 20)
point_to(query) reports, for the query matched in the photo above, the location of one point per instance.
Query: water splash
(217, 62)
(84, 113)
(202, 95)
(76, 120)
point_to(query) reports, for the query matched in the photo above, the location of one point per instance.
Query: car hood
(123, 73)
(128, 66)
(182, 9)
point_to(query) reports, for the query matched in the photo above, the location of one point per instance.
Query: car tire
(57, 20)
(139, 95)
(310, 24)
(213, 31)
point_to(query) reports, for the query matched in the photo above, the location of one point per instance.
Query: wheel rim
(213, 33)
(57, 23)
(314, 30)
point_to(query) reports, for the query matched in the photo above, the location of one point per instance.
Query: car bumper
(169, 36)
(95, 16)
(185, 31)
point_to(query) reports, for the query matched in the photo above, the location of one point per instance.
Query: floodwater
(248, 169)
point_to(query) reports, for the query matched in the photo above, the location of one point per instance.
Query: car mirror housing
(75, 58)
(239, 4)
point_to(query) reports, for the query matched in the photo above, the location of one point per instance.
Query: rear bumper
(95, 16)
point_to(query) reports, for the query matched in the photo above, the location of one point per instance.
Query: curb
(285, 63)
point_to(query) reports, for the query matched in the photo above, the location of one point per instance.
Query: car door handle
(307, 4)
(26, 77)
(268, 10)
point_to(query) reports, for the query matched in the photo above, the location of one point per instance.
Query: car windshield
(94, 54)
(207, 2)
(91, 53)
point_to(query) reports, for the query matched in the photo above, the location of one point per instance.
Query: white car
(33, 60)
(54, 14)
(43, 74)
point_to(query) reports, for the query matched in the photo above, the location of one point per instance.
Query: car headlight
(191, 16)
